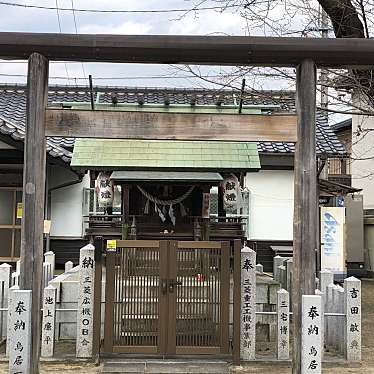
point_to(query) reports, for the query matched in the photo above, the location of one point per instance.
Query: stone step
(192, 366)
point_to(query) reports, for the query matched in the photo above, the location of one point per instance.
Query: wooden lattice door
(167, 297)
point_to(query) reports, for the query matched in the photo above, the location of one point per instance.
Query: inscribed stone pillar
(283, 325)
(277, 261)
(248, 305)
(352, 306)
(9, 317)
(311, 339)
(48, 323)
(49, 257)
(68, 266)
(20, 321)
(5, 271)
(84, 343)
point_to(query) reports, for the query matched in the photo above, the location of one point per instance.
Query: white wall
(5, 146)
(363, 147)
(271, 204)
(66, 203)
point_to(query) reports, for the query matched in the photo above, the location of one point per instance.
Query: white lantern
(231, 193)
(104, 190)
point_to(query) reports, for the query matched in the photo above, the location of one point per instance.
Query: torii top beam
(175, 49)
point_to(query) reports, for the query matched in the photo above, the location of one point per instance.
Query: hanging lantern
(104, 190)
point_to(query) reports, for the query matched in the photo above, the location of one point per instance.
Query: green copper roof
(164, 154)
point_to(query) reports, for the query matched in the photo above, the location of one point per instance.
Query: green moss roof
(160, 154)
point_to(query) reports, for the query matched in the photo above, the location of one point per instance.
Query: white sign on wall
(332, 239)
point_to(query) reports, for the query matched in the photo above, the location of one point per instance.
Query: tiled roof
(171, 154)
(343, 125)
(13, 104)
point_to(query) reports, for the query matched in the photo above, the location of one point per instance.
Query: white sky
(38, 20)
(205, 22)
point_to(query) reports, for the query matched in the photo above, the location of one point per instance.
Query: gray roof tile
(13, 108)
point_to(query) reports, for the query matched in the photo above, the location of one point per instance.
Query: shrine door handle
(172, 284)
(164, 286)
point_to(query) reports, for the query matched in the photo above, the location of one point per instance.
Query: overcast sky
(39, 20)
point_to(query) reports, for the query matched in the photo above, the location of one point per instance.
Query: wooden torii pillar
(33, 196)
(305, 201)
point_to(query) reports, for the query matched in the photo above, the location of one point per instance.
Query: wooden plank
(109, 302)
(199, 245)
(144, 349)
(33, 195)
(163, 275)
(138, 243)
(198, 350)
(305, 205)
(11, 179)
(177, 126)
(225, 297)
(172, 298)
(237, 302)
(9, 259)
(182, 49)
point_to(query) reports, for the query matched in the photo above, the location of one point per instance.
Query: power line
(59, 27)
(76, 31)
(140, 11)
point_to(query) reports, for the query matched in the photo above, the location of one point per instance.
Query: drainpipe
(49, 199)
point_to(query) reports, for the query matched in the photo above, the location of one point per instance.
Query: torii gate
(304, 54)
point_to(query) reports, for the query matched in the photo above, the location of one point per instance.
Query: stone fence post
(15, 279)
(248, 305)
(289, 264)
(341, 320)
(68, 266)
(277, 261)
(5, 276)
(47, 274)
(325, 278)
(259, 269)
(330, 320)
(84, 343)
(352, 306)
(50, 258)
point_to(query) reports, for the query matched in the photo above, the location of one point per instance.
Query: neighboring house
(269, 183)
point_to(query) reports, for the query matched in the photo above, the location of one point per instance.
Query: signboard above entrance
(113, 124)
